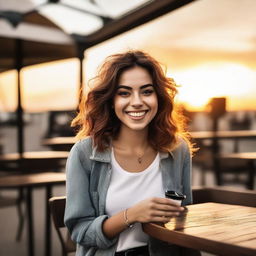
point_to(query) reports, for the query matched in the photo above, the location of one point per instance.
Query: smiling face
(135, 101)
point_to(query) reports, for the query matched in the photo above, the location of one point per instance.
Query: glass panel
(117, 8)
(19, 6)
(75, 16)
(85, 6)
(71, 21)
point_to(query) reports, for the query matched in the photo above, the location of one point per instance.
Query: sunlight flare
(199, 84)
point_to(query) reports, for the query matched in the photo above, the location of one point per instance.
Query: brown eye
(148, 92)
(123, 93)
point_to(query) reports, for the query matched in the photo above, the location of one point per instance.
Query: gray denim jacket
(88, 178)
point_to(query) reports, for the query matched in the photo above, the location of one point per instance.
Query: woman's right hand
(150, 210)
(154, 210)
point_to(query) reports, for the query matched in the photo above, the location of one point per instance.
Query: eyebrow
(130, 88)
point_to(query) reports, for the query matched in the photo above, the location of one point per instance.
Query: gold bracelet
(126, 219)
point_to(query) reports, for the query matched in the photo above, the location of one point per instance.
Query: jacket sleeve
(186, 175)
(80, 215)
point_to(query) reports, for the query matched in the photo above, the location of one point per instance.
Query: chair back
(57, 207)
(224, 195)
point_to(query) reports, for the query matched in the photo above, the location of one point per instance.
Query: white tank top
(128, 188)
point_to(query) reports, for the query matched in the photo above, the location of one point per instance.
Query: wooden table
(224, 135)
(242, 156)
(30, 181)
(35, 161)
(243, 134)
(220, 229)
(60, 143)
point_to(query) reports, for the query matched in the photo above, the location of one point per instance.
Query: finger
(166, 207)
(166, 201)
(166, 213)
(162, 219)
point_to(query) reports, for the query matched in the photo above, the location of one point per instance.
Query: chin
(137, 127)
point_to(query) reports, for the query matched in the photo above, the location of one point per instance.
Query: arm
(80, 216)
(149, 210)
(186, 177)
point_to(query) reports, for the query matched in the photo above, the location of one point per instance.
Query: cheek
(119, 104)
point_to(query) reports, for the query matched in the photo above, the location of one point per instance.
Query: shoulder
(82, 148)
(83, 144)
(182, 148)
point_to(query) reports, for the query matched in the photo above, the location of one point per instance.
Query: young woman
(132, 148)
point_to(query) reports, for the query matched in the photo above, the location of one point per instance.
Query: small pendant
(139, 160)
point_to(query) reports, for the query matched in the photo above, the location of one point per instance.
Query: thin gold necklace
(139, 158)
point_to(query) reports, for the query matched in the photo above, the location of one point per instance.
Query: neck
(131, 139)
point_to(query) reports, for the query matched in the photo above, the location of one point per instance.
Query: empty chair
(57, 207)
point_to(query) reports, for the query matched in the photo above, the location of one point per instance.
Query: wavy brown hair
(96, 116)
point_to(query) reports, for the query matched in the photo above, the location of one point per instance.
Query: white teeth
(136, 114)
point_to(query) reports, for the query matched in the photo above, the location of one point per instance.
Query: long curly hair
(97, 118)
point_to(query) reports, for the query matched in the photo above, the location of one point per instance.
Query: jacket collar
(101, 156)
(105, 156)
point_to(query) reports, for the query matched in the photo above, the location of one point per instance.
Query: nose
(136, 100)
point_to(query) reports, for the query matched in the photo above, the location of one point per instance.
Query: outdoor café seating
(28, 182)
(200, 195)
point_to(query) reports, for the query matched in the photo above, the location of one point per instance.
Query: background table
(30, 181)
(208, 156)
(250, 158)
(215, 136)
(243, 134)
(60, 143)
(33, 161)
(220, 229)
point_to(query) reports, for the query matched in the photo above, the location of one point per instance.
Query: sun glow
(198, 85)
(50, 86)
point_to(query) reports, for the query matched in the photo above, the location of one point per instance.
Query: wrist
(128, 221)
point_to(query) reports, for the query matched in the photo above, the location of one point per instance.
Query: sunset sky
(205, 59)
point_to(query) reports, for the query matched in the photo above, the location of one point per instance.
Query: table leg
(216, 161)
(20, 213)
(251, 173)
(30, 222)
(48, 236)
